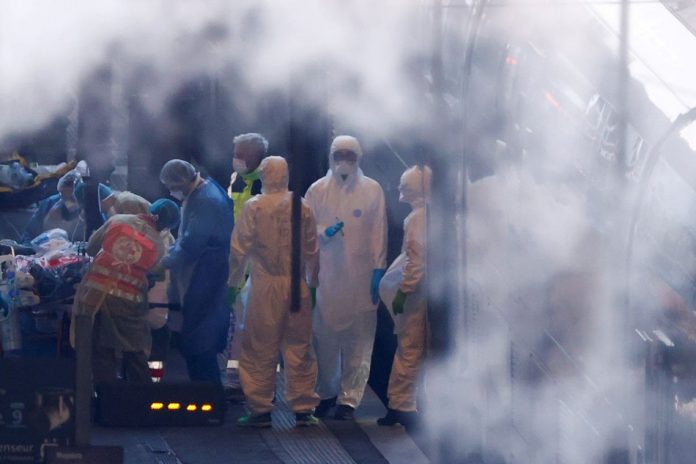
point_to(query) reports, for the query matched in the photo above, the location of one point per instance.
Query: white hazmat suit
(262, 238)
(407, 274)
(345, 319)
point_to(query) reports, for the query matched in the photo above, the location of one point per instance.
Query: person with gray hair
(245, 183)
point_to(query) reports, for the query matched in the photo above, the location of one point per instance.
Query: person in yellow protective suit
(262, 238)
(403, 290)
(245, 183)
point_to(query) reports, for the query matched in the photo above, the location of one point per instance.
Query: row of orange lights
(177, 406)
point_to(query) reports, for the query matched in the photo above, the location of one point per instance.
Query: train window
(608, 136)
(636, 154)
(594, 117)
(508, 78)
(601, 124)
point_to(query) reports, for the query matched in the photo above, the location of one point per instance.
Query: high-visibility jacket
(243, 187)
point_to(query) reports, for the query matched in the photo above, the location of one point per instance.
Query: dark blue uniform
(199, 267)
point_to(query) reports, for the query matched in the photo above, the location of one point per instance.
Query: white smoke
(541, 257)
(47, 48)
(548, 366)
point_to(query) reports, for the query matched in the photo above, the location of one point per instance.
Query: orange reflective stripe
(109, 289)
(117, 275)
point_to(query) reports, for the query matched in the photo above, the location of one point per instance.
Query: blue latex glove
(377, 275)
(399, 302)
(334, 229)
(313, 294)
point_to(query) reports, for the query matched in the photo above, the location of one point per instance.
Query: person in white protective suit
(403, 290)
(352, 229)
(262, 238)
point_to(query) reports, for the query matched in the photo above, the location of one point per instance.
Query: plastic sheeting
(48, 275)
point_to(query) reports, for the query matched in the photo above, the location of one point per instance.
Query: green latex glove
(313, 293)
(399, 302)
(232, 293)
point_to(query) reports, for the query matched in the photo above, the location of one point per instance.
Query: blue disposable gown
(199, 268)
(49, 216)
(35, 226)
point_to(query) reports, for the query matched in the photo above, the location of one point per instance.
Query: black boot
(344, 412)
(234, 395)
(408, 419)
(324, 407)
(392, 418)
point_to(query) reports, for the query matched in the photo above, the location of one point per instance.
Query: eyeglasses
(345, 155)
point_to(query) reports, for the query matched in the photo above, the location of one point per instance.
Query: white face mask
(71, 205)
(177, 194)
(239, 165)
(410, 196)
(344, 168)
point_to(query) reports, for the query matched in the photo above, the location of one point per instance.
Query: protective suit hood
(82, 168)
(414, 187)
(345, 142)
(69, 180)
(274, 175)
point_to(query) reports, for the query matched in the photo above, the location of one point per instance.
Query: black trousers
(107, 364)
(203, 367)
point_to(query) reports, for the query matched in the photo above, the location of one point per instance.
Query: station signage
(37, 408)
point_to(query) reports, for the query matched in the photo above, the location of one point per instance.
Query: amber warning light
(157, 406)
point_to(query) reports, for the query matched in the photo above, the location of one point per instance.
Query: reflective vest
(121, 265)
(242, 188)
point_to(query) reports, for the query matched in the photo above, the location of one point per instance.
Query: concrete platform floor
(359, 441)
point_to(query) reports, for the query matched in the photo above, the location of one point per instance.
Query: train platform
(332, 441)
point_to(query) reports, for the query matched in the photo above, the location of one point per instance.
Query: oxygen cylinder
(10, 331)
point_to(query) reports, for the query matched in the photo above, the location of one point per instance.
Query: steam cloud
(540, 261)
(48, 47)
